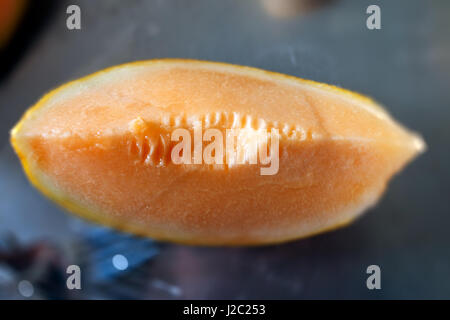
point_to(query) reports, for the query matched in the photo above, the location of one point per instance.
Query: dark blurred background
(405, 66)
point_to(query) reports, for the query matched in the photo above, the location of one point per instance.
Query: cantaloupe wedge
(99, 147)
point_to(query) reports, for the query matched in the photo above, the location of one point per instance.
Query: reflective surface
(405, 66)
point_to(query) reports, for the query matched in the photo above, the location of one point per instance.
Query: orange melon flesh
(99, 147)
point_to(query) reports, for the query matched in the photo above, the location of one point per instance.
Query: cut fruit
(100, 147)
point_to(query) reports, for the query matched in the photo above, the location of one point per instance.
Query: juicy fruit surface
(100, 147)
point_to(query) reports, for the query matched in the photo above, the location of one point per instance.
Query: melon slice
(100, 147)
